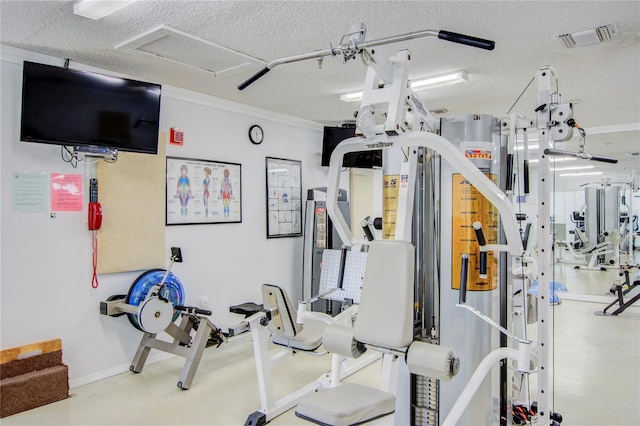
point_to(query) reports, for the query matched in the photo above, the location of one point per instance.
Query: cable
(71, 159)
(94, 249)
(516, 101)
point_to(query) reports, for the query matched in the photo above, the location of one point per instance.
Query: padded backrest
(581, 236)
(283, 320)
(385, 313)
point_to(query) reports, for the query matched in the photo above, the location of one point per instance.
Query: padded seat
(385, 320)
(247, 309)
(347, 404)
(283, 327)
(309, 339)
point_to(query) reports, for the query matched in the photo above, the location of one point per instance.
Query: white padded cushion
(385, 313)
(346, 404)
(309, 339)
(284, 323)
(338, 339)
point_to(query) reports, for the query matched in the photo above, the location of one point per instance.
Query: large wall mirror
(596, 207)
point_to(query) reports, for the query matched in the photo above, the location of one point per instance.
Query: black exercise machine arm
(581, 156)
(477, 227)
(464, 274)
(192, 310)
(480, 43)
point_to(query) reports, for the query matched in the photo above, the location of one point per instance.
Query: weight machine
(392, 118)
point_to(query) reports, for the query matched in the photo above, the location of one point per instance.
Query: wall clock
(256, 135)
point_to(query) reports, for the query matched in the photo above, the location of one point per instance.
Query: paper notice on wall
(29, 192)
(66, 192)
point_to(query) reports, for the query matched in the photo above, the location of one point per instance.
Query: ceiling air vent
(591, 36)
(176, 46)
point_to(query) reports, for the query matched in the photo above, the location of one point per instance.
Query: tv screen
(71, 107)
(332, 136)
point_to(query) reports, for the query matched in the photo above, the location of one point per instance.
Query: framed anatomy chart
(202, 191)
(284, 198)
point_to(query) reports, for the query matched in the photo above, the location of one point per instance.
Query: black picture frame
(207, 192)
(284, 197)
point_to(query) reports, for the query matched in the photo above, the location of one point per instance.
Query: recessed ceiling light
(98, 9)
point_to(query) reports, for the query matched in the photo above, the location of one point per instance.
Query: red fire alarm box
(176, 136)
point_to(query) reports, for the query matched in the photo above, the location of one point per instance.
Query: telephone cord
(94, 246)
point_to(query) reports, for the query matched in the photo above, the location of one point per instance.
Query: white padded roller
(434, 361)
(339, 339)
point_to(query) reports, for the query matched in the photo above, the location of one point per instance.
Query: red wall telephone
(95, 209)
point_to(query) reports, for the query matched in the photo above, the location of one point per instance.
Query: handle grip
(509, 175)
(477, 227)
(253, 78)
(526, 176)
(192, 310)
(561, 153)
(604, 159)
(468, 40)
(464, 270)
(343, 262)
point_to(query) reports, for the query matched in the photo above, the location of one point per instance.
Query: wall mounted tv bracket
(110, 155)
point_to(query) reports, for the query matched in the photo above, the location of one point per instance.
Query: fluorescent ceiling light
(554, 159)
(560, 169)
(531, 147)
(98, 9)
(452, 77)
(420, 84)
(352, 96)
(581, 174)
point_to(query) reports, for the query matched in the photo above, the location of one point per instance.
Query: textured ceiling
(605, 77)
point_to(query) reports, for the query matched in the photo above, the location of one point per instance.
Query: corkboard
(131, 192)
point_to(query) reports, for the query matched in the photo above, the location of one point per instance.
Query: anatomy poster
(201, 191)
(284, 198)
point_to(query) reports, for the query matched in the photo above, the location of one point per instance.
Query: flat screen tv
(332, 136)
(70, 107)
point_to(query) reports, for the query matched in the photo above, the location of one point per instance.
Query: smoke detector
(591, 36)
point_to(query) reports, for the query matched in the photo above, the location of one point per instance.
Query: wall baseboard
(119, 369)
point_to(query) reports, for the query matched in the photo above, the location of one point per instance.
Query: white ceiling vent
(185, 49)
(591, 36)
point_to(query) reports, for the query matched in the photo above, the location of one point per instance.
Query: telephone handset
(95, 210)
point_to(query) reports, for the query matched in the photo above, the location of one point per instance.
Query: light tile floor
(597, 378)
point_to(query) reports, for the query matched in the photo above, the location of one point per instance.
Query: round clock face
(256, 135)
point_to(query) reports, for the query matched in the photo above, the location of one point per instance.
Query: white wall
(45, 279)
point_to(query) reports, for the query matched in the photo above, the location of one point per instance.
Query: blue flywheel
(173, 291)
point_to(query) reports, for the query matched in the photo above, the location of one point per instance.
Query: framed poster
(284, 198)
(202, 191)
